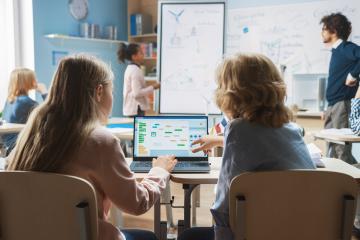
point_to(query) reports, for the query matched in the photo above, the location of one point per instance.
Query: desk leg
(188, 188)
(157, 219)
(195, 203)
(160, 227)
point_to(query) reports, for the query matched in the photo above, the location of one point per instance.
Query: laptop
(169, 135)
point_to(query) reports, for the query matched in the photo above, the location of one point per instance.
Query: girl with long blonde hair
(65, 135)
(19, 105)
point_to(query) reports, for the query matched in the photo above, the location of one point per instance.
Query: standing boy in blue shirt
(343, 78)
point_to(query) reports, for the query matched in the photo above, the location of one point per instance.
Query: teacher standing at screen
(344, 70)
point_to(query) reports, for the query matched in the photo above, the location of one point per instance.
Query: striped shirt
(355, 116)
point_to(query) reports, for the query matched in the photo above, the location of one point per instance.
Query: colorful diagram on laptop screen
(164, 136)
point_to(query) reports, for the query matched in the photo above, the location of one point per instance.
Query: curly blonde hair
(250, 87)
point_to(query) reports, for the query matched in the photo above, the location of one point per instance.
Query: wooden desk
(308, 114)
(337, 165)
(334, 136)
(11, 128)
(123, 134)
(190, 181)
(16, 127)
(200, 178)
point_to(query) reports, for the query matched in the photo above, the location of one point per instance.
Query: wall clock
(78, 8)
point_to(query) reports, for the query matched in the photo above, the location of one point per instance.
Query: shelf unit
(149, 7)
(62, 38)
(148, 35)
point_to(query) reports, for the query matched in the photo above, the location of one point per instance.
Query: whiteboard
(191, 45)
(289, 34)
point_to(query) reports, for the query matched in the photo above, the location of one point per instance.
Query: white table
(11, 128)
(339, 136)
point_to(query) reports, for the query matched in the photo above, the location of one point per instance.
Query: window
(17, 42)
(7, 47)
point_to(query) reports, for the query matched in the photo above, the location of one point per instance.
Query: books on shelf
(140, 24)
(149, 49)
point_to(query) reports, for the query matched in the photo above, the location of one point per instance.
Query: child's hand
(207, 143)
(166, 162)
(156, 85)
(40, 87)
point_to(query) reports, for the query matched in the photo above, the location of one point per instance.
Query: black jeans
(137, 234)
(198, 233)
(140, 112)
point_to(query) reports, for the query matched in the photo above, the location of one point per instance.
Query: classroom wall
(251, 3)
(54, 17)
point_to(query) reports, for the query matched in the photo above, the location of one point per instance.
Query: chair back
(45, 206)
(294, 204)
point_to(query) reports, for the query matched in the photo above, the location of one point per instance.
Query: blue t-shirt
(17, 112)
(252, 147)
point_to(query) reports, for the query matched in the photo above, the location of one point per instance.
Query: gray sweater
(252, 147)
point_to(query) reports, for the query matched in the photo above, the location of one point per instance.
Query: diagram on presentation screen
(288, 34)
(179, 80)
(184, 33)
(191, 47)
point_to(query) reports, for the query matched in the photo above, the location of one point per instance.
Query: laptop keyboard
(142, 164)
(178, 165)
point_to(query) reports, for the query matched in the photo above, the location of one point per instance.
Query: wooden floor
(204, 218)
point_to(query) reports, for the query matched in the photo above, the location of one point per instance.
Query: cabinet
(148, 7)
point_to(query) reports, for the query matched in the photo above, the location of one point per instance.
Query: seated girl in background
(258, 136)
(65, 135)
(18, 104)
(135, 91)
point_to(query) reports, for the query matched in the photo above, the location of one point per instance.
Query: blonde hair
(250, 87)
(60, 125)
(21, 81)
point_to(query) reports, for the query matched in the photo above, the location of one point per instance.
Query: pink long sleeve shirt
(101, 162)
(135, 91)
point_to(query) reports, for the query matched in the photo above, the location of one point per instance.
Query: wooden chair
(292, 205)
(45, 206)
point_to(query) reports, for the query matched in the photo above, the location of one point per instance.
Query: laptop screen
(168, 135)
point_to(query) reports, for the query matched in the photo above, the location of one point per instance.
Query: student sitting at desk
(64, 135)
(258, 136)
(18, 104)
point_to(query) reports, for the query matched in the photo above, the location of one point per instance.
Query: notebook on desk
(169, 135)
